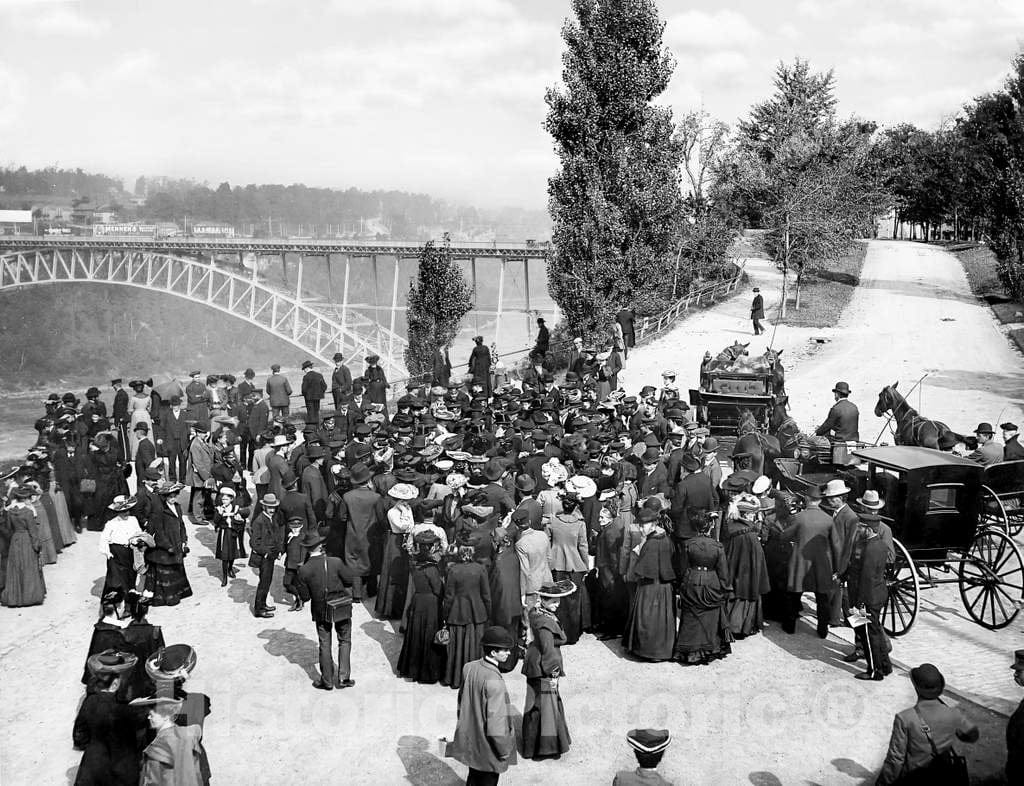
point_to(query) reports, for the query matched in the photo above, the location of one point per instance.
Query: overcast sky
(440, 96)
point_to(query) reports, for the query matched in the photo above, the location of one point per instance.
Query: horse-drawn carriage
(732, 383)
(951, 521)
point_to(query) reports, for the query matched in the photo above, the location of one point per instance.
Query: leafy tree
(437, 302)
(812, 176)
(615, 203)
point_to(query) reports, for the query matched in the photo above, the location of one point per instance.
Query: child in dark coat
(294, 557)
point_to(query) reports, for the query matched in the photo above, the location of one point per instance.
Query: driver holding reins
(843, 421)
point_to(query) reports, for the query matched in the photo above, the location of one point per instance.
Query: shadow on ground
(294, 647)
(422, 766)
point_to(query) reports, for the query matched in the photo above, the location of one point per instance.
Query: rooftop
(911, 457)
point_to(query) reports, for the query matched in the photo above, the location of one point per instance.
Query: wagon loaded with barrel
(951, 521)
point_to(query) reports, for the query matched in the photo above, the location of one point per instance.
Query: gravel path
(781, 710)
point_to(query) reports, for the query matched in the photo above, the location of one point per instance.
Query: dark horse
(771, 356)
(763, 448)
(783, 427)
(912, 428)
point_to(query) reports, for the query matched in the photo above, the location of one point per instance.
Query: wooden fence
(655, 325)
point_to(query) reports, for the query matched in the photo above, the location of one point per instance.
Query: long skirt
(168, 583)
(67, 529)
(651, 626)
(704, 633)
(776, 604)
(47, 548)
(545, 732)
(463, 647)
(47, 510)
(120, 569)
(745, 617)
(574, 610)
(394, 578)
(24, 585)
(421, 659)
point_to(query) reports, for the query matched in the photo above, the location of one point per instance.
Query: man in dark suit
(693, 494)
(145, 451)
(757, 312)
(868, 590)
(626, 318)
(341, 381)
(843, 421)
(497, 495)
(543, 339)
(848, 529)
(1015, 728)
(1012, 449)
(320, 579)
(314, 486)
(313, 389)
(173, 439)
(277, 465)
(266, 538)
(120, 414)
(654, 479)
(815, 551)
(365, 513)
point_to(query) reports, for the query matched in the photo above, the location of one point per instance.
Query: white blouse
(118, 531)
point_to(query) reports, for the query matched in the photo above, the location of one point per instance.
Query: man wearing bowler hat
(910, 747)
(815, 552)
(341, 381)
(365, 514)
(1015, 728)
(989, 451)
(266, 539)
(757, 312)
(485, 739)
(323, 581)
(313, 389)
(1012, 449)
(843, 421)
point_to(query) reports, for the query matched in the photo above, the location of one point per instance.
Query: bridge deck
(269, 246)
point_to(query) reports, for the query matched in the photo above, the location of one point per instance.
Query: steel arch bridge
(209, 284)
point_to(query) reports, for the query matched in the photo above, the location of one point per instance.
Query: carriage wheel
(994, 514)
(991, 579)
(900, 608)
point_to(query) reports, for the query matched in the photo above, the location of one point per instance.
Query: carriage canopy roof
(907, 457)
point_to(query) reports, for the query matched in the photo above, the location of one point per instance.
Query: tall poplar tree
(437, 302)
(615, 203)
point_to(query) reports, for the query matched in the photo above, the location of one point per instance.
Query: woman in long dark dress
(568, 557)
(545, 733)
(747, 568)
(651, 626)
(394, 576)
(466, 607)
(229, 521)
(375, 382)
(144, 639)
(421, 659)
(704, 633)
(109, 476)
(106, 728)
(108, 632)
(23, 582)
(506, 594)
(165, 575)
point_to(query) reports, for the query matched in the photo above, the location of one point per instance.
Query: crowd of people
(495, 523)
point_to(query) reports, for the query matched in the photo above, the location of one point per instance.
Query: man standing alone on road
(313, 389)
(843, 421)
(757, 312)
(322, 581)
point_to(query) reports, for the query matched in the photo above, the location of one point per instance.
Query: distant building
(57, 212)
(212, 229)
(13, 222)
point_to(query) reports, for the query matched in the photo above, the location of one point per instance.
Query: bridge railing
(656, 324)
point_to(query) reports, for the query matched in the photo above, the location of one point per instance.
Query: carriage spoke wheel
(900, 608)
(994, 514)
(991, 579)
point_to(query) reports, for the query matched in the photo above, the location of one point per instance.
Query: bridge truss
(245, 297)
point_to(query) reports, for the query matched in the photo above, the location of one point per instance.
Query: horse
(731, 353)
(783, 427)
(762, 448)
(771, 357)
(912, 428)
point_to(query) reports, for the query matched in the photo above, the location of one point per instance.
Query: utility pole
(785, 267)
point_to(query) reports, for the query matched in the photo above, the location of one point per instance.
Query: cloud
(59, 20)
(439, 9)
(703, 30)
(12, 96)
(133, 64)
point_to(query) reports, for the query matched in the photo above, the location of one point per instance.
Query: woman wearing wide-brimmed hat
(421, 659)
(747, 565)
(545, 733)
(376, 383)
(23, 585)
(108, 631)
(922, 732)
(106, 728)
(165, 575)
(176, 756)
(115, 544)
(568, 556)
(394, 573)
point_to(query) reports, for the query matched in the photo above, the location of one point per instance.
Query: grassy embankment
(980, 265)
(825, 292)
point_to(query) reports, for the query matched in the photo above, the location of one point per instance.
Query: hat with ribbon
(173, 663)
(111, 662)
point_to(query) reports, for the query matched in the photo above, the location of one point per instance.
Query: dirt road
(782, 709)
